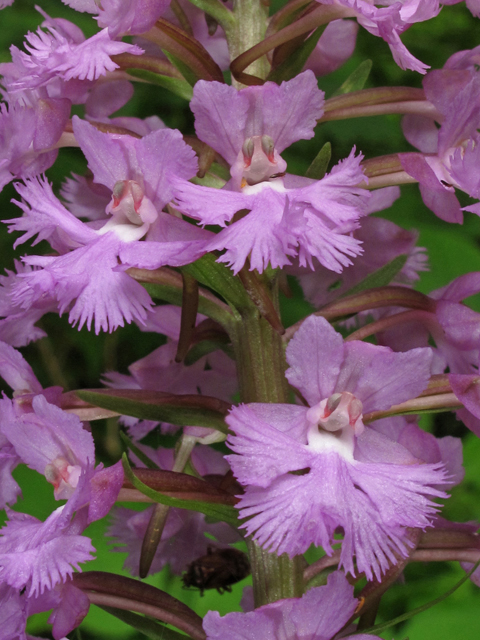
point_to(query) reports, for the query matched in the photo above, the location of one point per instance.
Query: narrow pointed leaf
(319, 166)
(219, 278)
(149, 628)
(151, 539)
(184, 69)
(177, 86)
(128, 592)
(381, 277)
(183, 410)
(356, 80)
(424, 404)
(295, 62)
(150, 464)
(321, 15)
(378, 297)
(187, 49)
(220, 512)
(182, 486)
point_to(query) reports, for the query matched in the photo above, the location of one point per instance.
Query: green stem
(274, 577)
(260, 360)
(261, 370)
(249, 55)
(250, 25)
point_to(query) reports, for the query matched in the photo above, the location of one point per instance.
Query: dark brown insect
(219, 569)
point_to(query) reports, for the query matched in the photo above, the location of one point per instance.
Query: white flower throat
(334, 423)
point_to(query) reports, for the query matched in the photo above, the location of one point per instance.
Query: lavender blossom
(287, 217)
(454, 327)
(138, 175)
(388, 22)
(301, 497)
(319, 614)
(448, 158)
(56, 54)
(126, 17)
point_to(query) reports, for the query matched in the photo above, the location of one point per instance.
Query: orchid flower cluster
(300, 445)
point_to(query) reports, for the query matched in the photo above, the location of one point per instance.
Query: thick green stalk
(274, 577)
(261, 370)
(250, 25)
(260, 360)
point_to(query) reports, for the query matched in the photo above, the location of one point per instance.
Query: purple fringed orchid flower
(388, 22)
(17, 325)
(35, 431)
(126, 17)
(285, 215)
(64, 53)
(449, 154)
(94, 256)
(39, 555)
(300, 467)
(318, 615)
(454, 327)
(40, 100)
(70, 605)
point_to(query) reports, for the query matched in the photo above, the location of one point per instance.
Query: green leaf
(218, 512)
(381, 277)
(295, 62)
(356, 80)
(150, 464)
(177, 86)
(183, 410)
(148, 627)
(378, 628)
(319, 166)
(219, 278)
(184, 69)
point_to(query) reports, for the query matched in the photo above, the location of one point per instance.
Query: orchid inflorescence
(301, 445)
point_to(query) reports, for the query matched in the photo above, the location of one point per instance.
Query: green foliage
(296, 61)
(217, 512)
(181, 88)
(147, 627)
(356, 80)
(319, 165)
(381, 277)
(184, 411)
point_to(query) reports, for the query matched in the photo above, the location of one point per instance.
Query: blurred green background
(76, 359)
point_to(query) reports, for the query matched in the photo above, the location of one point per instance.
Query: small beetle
(219, 569)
